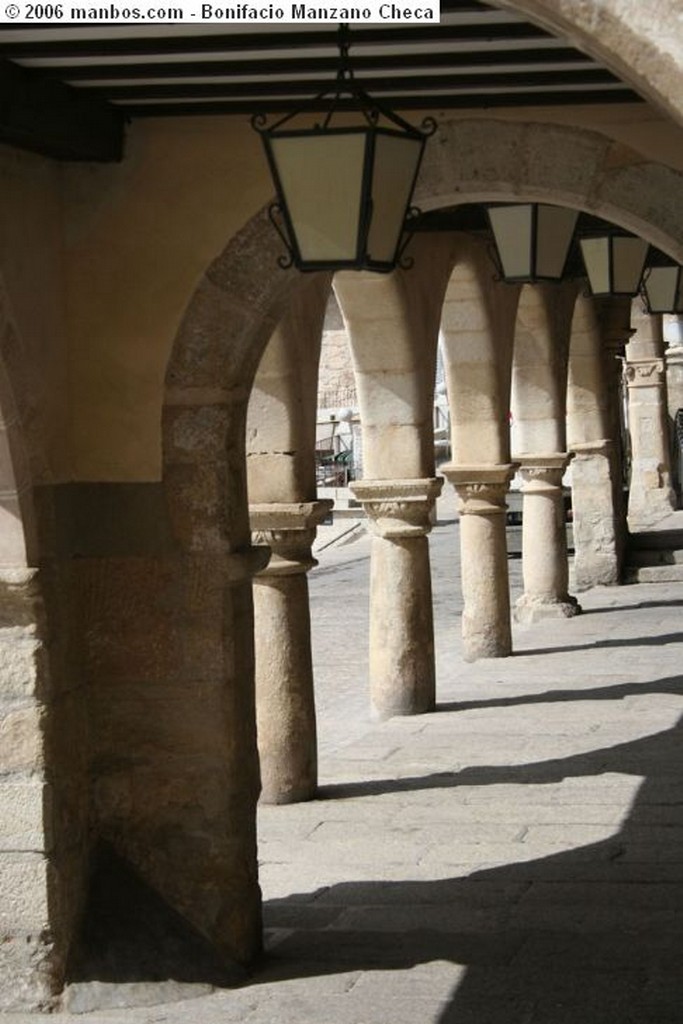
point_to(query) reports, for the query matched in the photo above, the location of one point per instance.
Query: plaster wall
(138, 237)
(31, 268)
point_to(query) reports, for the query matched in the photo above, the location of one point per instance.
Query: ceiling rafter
(296, 64)
(66, 89)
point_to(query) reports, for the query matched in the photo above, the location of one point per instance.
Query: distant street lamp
(532, 240)
(344, 193)
(614, 263)
(663, 289)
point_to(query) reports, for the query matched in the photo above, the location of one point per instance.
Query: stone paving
(515, 857)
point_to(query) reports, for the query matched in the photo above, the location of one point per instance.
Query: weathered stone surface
(402, 674)
(24, 884)
(26, 820)
(27, 982)
(481, 501)
(21, 738)
(544, 541)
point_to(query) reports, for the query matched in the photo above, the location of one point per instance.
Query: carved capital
(481, 490)
(587, 449)
(398, 508)
(288, 529)
(543, 473)
(645, 373)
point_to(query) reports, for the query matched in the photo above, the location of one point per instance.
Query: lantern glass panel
(596, 257)
(512, 229)
(628, 257)
(661, 286)
(554, 231)
(321, 177)
(395, 167)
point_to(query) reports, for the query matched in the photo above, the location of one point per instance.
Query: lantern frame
(610, 237)
(675, 307)
(373, 131)
(533, 276)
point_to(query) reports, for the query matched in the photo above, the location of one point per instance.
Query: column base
(534, 609)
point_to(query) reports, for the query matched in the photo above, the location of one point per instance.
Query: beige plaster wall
(31, 272)
(138, 237)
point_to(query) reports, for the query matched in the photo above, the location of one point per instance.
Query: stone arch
(281, 418)
(392, 322)
(487, 160)
(477, 331)
(641, 43)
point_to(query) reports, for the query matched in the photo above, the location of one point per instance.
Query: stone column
(544, 541)
(673, 333)
(285, 701)
(486, 617)
(402, 677)
(595, 520)
(651, 496)
(615, 322)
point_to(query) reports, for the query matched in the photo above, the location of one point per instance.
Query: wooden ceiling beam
(57, 120)
(297, 65)
(130, 46)
(399, 84)
(426, 104)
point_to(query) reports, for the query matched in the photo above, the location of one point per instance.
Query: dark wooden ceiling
(66, 91)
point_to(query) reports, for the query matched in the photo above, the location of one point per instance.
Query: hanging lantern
(344, 193)
(663, 289)
(532, 240)
(614, 263)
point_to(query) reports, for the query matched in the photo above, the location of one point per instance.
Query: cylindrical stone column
(285, 701)
(402, 674)
(481, 492)
(544, 541)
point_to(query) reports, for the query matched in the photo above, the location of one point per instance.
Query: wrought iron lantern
(344, 193)
(532, 240)
(614, 262)
(663, 289)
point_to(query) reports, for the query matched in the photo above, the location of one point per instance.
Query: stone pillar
(285, 701)
(673, 333)
(595, 523)
(486, 617)
(544, 541)
(402, 677)
(615, 323)
(651, 496)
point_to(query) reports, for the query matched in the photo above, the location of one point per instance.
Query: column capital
(645, 373)
(674, 355)
(288, 529)
(481, 489)
(603, 446)
(543, 472)
(398, 508)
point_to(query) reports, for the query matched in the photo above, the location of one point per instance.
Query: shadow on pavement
(671, 684)
(588, 936)
(644, 641)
